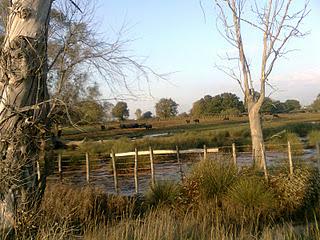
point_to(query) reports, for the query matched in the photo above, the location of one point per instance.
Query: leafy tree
(138, 113)
(120, 110)
(166, 108)
(219, 104)
(316, 104)
(231, 111)
(274, 106)
(107, 108)
(146, 115)
(90, 111)
(292, 105)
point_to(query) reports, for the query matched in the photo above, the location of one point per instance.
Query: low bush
(296, 193)
(280, 143)
(314, 137)
(163, 193)
(249, 199)
(212, 178)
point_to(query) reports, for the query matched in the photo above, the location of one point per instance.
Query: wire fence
(135, 172)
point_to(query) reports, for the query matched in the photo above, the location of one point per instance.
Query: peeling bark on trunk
(23, 108)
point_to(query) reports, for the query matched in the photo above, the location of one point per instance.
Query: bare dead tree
(277, 22)
(23, 106)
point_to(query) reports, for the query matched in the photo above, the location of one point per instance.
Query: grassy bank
(213, 138)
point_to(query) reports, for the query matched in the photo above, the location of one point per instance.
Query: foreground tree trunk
(256, 135)
(23, 108)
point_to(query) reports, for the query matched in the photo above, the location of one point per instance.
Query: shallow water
(102, 177)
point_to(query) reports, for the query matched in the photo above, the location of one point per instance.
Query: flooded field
(101, 174)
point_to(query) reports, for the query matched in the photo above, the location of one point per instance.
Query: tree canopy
(146, 115)
(275, 106)
(315, 106)
(120, 110)
(166, 108)
(219, 104)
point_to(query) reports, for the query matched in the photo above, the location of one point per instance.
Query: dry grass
(241, 205)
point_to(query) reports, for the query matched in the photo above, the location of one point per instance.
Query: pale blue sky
(176, 37)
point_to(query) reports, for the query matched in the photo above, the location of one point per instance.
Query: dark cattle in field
(148, 126)
(196, 121)
(226, 119)
(132, 125)
(103, 127)
(187, 121)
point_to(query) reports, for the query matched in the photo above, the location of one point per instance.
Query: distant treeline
(230, 104)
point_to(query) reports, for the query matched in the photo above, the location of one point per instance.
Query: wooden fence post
(290, 159)
(136, 185)
(179, 162)
(318, 155)
(152, 167)
(60, 166)
(38, 171)
(205, 152)
(234, 154)
(263, 155)
(88, 167)
(114, 168)
(253, 158)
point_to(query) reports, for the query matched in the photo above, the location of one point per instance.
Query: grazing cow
(196, 121)
(148, 126)
(187, 121)
(103, 127)
(135, 125)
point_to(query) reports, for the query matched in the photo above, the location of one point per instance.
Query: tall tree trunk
(256, 134)
(23, 107)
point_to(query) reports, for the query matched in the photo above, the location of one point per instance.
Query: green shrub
(163, 193)
(280, 143)
(314, 137)
(249, 199)
(212, 178)
(298, 192)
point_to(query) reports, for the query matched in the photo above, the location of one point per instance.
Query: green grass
(314, 138)
(280, 143)
(163, 193)
(211, 132)
(250, 199)
(213, 179)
